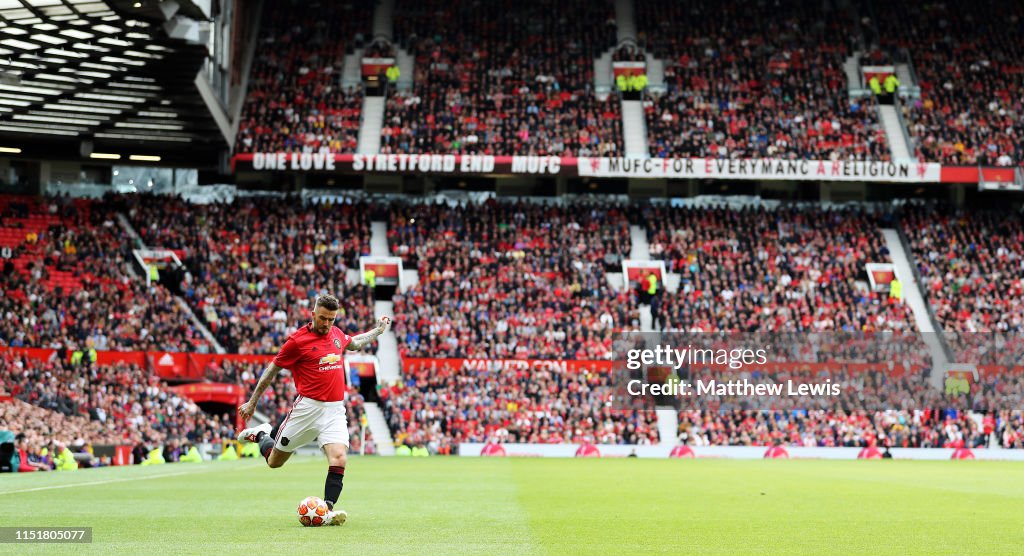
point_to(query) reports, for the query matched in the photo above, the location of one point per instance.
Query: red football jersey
(317, 362)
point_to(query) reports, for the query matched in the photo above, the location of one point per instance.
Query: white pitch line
(73, 485)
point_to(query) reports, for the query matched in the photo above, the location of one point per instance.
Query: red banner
(637, 270)
(383, 270)
(232, 394)
(628, 68)
(364, 369)
(40, 354)
(881, 72)
(122, 455)
(376, 66)
(111, 357)
(199, 361)
(170, 365)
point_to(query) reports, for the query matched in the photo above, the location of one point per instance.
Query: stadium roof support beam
(110, 53)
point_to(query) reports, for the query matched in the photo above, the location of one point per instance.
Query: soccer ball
(312, 512)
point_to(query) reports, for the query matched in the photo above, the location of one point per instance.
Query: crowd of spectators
(510, 77)
(770, 84)
(919, 428)
(255, 265)
(969, 62)
(972, 267)
(762, 269)
(69, 284)
(523, 280)
(442, 405)
(41, 426)
(511, 280)
(503, 78)
(56, 403)
(295, 102)
(90, 403)
(874, 409)
(44, 435)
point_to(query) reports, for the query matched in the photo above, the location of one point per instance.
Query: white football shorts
(311, 419)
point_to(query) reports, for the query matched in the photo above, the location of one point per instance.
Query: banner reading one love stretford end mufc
(653, 168)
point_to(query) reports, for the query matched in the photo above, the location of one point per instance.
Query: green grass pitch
(519, 506)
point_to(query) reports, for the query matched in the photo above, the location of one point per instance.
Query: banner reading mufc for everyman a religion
(649, 168)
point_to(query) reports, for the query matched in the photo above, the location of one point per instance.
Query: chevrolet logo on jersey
(330, 358)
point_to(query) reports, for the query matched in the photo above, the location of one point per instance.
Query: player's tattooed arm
(248, 408)
(360, 341)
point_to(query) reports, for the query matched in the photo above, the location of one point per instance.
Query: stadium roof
(103, 71)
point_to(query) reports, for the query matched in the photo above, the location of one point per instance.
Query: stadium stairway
(387, 346)
(379, 429)
(614, 280)
(625, 21)
(646, 318)
(603, 74)
(851, 67)
(410, 279)
(383, 28)
(126, 225)
(634, 129)
(912, 296)
(388, 361)
(198, 324)
(668, 425)
(379, 239)
(895, 133)
(639, 248)
(406, 67)
(383, 16)
(905, 76)
(369, 128)
(655, 74)
(352, 69)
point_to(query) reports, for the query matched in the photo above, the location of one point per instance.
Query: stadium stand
(972, 263)
(256, 264)
(877, 410)
(967, 58)
(510, 280)
(69, 283)
(761, 269)
(442, 406)
(768, 85)
(295, 102)
(528, 280)
(497, 78)
(119, 403)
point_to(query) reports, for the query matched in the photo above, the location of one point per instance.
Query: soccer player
(315, 356)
